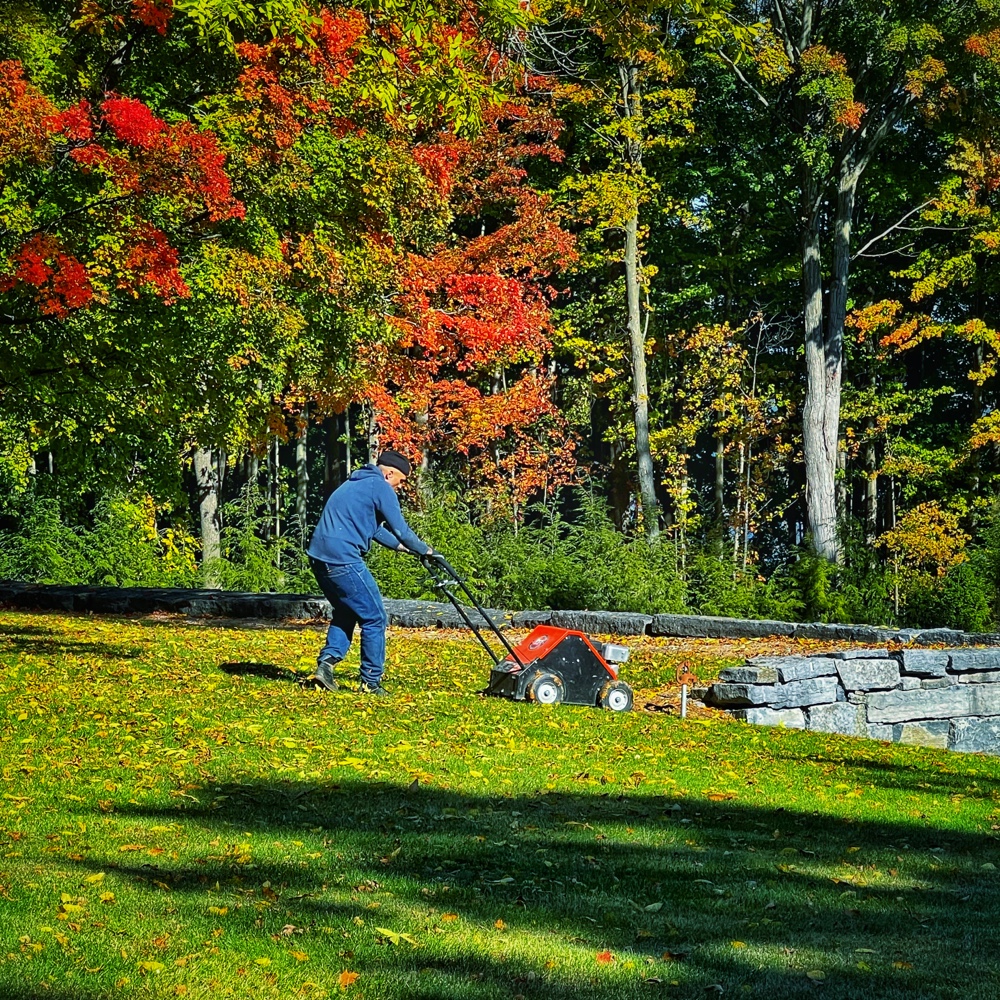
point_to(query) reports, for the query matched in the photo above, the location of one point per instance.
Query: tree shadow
(934, 774)
(269, 671)
(43, 642)
(755, 897)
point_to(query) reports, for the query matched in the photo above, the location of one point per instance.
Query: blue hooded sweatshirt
(362, 509)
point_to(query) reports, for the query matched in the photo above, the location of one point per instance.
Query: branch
(891, 229)
(739, 73)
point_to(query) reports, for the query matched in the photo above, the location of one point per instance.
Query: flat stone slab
(934, 683)
(907, 706)
(796, 668)
(790, 718)
(975, 735)
(924, 734)
(868, 675)
(840, 717)
(881, 731)
(924, 662)
(529, 619)
(962, 660)
(860, 654)
(602, 622)
(979, 677)
(909, 683)
(796, 694)
(713, 627)
(748, 675)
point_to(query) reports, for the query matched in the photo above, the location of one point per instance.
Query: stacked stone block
(946, 698)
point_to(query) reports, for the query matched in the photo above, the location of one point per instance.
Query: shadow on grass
(36, 640)
(879, 905)
(270, 671)
(951, 777)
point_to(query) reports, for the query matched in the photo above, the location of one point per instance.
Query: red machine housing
(552, 665)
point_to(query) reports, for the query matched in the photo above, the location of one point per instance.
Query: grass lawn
(179, 818)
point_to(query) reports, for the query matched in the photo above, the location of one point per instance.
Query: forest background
(676, 305)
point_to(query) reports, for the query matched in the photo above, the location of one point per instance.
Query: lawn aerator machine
(550, 665)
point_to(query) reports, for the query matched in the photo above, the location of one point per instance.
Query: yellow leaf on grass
(346, 979)
(299, 956)
(449, 917)
(151, 966)
(262, 961)
(96, 877)
(499, 925)
(107, 897)
(738, 944)
(218, 911)
(902, 965)
(132, 847)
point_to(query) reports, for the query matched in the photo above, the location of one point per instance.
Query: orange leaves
(985, 46)
(25, 123)
(604, 957)
(346, 979)
(826, 79)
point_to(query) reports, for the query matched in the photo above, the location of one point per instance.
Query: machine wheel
(546, 689)
(615, 696)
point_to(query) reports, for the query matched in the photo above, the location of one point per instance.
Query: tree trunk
(302, 481)
(208, 509)
(871, 485)
(819, 439)
(720, 494)
(640, 385)
(630, 96)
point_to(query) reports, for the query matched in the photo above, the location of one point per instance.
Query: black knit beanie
(393, 460)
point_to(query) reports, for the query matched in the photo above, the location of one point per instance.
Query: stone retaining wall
(428, 614)
(947, 698)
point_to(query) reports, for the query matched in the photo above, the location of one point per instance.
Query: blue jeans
(355, 599)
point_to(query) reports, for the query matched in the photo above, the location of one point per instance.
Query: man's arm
(395, 526)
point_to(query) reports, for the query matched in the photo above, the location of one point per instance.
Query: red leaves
(152, 261)
(153, 13)
(60, 280)
(176, 160)
(604, 957)
(73, 123)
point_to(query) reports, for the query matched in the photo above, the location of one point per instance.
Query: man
(360, 510)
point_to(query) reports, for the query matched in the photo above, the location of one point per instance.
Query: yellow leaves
(449, 917)
(264, 962)
(737, 944)
(218, 911)
(153, 967)
(927, 537)
(396, 936)
(499, 925)
(299, 956)
(347, 979)
(107, 897)
(96, 877)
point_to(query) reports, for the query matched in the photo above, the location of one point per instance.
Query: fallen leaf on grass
(96, 877)
(346, 979)
(738, 944)
(151, 966)
(902, 965)
(218, 911)
(262, 961)
(396, 936)
(299, 956)
(499, 925)
(605, 957)
(816, 975)
(449, 917)
(654, 908)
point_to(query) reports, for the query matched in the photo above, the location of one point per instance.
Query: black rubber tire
(546, 688)
(616, 696)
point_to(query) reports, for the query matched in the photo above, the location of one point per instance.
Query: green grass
(180, 819)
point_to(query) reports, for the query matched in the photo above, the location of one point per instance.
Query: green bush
(961, 599)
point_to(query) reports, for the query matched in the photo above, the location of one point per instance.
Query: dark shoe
(373, 689)
(324, 673)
